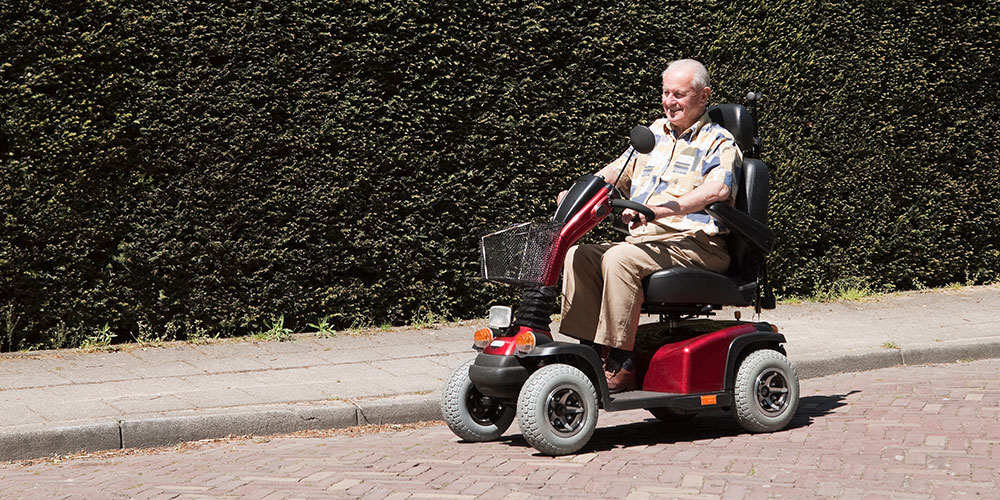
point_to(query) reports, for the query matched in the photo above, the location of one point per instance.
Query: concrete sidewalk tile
(292, 376)
(289, 393)
(68, 411)
(277, 361)
(131, 405)
(288, 347)
(347, 342)
(14, 397)
(88, 359)
(12, 414)
(409, 366)
(230, 349)
(116, 389)
(175, 351)
(16, 362)
(91, 374)
(165, 369)
(344, 356)
(408, 385)
(224, 365)
(218, 398)
(61, 440)
(25, 379)
(225, 380)
(453, 361)
(348, 372)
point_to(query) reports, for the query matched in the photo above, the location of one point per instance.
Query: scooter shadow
(708, 425)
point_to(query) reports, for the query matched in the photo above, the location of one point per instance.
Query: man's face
(682, 103)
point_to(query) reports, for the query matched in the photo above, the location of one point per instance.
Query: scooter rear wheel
(766, 392)
(557, 409)
(471, 415)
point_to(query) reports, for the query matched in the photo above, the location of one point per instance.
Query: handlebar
(638, 207)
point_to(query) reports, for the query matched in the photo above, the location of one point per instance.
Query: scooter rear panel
(687, 361)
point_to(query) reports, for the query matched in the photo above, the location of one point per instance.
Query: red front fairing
(589, 216)
(504, 346)
(694, 365)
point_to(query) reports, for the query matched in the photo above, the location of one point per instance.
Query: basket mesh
(520, 254)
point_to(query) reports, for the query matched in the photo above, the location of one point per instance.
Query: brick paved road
(915, 432)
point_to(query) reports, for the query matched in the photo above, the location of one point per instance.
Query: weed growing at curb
(276, 331)
(323, 328)
(427, 319)
(100, 339)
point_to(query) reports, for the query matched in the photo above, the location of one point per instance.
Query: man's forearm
(694, 201)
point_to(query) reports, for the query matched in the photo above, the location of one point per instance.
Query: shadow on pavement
(709, 425)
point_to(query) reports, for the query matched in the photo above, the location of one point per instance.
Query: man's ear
(705, 92)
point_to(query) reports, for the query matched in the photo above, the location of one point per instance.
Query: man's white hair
(699, 75)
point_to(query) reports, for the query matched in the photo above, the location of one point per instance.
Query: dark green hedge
(183, 168)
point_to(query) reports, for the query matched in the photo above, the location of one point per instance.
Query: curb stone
(951, 351)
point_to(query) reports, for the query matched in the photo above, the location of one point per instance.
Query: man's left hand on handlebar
(633, 219)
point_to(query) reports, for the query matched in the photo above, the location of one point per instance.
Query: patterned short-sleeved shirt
(677, 164)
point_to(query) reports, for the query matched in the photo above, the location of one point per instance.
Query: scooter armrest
(760, 237)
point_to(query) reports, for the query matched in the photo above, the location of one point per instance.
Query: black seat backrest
(752, 195)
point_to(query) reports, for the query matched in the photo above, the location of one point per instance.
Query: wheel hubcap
(484, 410)
(566, 411)
(772, 392)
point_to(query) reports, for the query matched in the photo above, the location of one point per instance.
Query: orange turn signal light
(524, 341)
(483, 337)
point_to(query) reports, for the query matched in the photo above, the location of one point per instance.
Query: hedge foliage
(181, 168)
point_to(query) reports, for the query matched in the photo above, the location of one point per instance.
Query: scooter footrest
(632, 400)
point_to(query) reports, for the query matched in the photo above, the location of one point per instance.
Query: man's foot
(619, 379)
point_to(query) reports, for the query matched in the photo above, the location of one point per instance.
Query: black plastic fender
(586, 359)
(767, 339)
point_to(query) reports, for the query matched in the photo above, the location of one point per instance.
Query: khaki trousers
(602, 284)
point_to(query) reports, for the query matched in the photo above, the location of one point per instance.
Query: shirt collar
(690, 131)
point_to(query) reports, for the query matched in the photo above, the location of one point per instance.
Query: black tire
(766, 392)
(471, 415)
(557, 409)
(665, 414)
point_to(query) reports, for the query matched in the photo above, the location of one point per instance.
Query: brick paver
(908, 432)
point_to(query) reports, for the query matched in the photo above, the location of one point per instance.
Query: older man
(693, 165)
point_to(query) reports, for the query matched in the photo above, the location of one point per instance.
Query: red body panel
(589, 216)
(501, 346)
(504, 346)
(693, 365)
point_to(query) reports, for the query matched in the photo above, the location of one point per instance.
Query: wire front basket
(522, 254)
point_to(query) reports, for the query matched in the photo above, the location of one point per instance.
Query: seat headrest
(737, 120)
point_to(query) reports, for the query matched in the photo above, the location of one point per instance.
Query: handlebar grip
(638, 207)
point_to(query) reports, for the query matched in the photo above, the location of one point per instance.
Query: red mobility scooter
(685, 364)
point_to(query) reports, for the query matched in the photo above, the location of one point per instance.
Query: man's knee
(587, 255)
(619, 256)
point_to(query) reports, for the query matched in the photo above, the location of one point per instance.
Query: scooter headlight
(524, 341)
(483, 337)
(500, 317)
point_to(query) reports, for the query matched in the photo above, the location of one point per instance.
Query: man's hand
(560, 196)
(634, 219)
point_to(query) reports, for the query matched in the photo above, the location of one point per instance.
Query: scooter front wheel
(557, 409)
(766, 392)
(471, 415)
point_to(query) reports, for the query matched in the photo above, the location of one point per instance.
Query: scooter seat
(685, 285)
